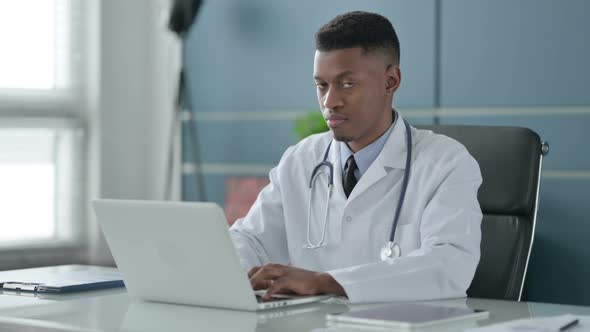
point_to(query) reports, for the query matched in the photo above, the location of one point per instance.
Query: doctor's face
(355, 91)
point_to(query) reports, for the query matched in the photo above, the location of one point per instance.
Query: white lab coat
(439, 228)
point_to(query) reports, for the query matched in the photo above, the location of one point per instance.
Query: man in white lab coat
(335, 249)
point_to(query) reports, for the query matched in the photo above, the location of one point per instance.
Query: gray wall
(485, 62)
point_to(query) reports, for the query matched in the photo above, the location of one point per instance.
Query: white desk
(112, 310)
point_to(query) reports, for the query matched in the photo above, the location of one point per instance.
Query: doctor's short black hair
(369, 31)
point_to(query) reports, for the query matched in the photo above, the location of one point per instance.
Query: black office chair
(510, 159)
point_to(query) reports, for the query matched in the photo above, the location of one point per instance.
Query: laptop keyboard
(272, 299)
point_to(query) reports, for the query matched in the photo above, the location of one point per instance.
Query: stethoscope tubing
(406, 180)
(330, 166)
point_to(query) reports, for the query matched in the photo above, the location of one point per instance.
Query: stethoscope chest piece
(390, 250)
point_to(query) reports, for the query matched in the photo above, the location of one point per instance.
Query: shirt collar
(367, 155)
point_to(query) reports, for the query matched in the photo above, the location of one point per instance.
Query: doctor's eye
(347, 85)
(320, 85)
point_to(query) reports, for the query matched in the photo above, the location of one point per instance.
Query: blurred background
(87, 109)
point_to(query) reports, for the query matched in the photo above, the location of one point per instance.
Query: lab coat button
(348, 218)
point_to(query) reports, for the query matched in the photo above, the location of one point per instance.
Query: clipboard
(61, 279)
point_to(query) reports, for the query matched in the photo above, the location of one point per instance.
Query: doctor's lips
(334, 120)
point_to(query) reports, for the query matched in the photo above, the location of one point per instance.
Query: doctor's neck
(371, 134)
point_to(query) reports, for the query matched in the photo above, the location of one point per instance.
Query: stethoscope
(391, 249)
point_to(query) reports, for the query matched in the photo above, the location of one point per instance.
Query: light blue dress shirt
(367, 155)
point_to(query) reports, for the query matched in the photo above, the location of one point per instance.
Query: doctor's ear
(393, 78)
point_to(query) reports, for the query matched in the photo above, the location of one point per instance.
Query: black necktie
(348, 178)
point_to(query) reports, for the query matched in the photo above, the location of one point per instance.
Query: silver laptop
(180, 252)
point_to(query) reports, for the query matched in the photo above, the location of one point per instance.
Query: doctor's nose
(332, 100)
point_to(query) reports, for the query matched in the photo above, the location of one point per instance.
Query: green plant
(310, 123)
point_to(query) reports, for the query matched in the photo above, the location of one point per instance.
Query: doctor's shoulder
(309, 151)
(441, 152)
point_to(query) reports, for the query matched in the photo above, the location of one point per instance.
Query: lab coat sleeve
(259, 237)
(444, 264)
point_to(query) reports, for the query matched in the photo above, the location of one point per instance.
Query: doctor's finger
(261, 284)
(269, 272)
(253, 271)
(280, 286)
(265, 277)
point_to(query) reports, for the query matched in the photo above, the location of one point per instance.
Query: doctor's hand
(281, 279)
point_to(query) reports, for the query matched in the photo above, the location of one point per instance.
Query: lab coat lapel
(334, 157)
(392, 156)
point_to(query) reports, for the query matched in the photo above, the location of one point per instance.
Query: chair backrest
(510, 159)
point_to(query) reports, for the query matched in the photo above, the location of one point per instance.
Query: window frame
(64, 107)
(67, 96)
(69, 232)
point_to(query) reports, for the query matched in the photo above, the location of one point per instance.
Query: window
(41, 136)
(35, 44)
(38, 176)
